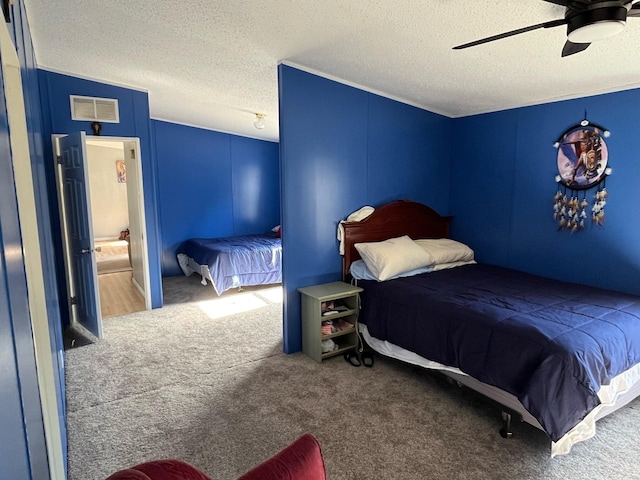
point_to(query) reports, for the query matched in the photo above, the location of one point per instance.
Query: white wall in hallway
(108, 197)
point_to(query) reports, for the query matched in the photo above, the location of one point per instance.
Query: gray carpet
(217, 392)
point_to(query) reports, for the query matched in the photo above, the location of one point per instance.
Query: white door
(81, 265)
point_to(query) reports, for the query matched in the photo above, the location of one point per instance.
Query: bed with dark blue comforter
(238, 261)
(551, 344)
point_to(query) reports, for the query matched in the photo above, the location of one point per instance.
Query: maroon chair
(160, 470)
(301, 460)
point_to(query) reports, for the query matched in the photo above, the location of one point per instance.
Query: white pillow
(445, 250)
(394, 256)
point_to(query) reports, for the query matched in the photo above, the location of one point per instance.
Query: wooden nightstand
(334, 306)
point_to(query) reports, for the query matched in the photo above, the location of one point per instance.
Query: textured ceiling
(213, 63)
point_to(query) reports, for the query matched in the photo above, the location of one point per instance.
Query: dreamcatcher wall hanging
(582, 166)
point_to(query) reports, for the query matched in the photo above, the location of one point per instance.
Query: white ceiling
(213, 63)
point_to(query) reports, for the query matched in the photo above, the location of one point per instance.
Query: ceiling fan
(586, 20)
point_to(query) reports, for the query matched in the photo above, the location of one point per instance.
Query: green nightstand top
(330, 291)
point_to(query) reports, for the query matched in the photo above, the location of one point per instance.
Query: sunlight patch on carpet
(223, 307)
(273, 294)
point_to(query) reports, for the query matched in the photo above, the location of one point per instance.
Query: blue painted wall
(502, 188)
(134, 122)
(15, 454)
(31, 93)
(22, 444)
(212, 184)
(342, 148)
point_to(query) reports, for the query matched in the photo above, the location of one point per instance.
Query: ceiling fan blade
(553, 23)
(557, 2)
(634, 11)
(570, 48)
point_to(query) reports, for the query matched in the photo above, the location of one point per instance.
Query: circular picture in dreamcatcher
(582, 158)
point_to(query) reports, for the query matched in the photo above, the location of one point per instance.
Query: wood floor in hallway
(118, 294)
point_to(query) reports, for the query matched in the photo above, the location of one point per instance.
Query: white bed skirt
(189, 266)
(623, 388)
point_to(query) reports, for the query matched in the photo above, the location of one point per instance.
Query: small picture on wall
(122, 171)
(582, 158)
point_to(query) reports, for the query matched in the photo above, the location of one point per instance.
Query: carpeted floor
(197, 382)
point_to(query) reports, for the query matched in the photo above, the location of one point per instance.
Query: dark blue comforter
(551, 344)
(238, 261)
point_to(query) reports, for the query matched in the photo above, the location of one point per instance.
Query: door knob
(85, 250)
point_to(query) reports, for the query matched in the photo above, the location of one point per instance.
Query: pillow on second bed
(394, 256)
(445, 250)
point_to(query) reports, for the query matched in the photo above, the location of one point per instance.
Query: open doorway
(110, 215)
(102, 205)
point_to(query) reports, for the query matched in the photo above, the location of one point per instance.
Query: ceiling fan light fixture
(598, 24)
(596, 31)
(259, 122)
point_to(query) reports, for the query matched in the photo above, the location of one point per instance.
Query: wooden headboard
(402, 217)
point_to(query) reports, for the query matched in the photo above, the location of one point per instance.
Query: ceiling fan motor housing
(595, 24)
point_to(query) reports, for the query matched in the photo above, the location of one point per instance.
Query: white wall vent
(94, 109)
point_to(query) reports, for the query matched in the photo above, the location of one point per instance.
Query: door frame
(138, 202)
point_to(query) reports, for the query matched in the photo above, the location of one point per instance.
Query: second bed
(233, 262)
